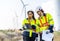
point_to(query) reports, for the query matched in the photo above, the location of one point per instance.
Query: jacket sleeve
(51, 22)
(23, 23)
(50, 19)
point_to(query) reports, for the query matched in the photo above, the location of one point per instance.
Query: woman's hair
(42, 10)
(32, 13)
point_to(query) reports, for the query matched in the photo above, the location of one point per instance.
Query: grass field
(56, 36)
(18, 37)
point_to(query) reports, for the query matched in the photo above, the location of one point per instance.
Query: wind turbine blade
(22, 2)
(22, 11)
(26, 5)
(16, 14)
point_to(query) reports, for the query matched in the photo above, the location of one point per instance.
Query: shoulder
(37, 20)
(48, 14)
(25, 19)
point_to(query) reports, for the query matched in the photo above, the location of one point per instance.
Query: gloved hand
(33, 27)
(51, 28)
(27, 26)
(47, 31)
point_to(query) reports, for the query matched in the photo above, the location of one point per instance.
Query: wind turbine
(15, 20)
(24, 7)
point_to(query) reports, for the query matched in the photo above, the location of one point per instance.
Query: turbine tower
(24, 7)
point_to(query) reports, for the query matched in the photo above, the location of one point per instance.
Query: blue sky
(9, 9)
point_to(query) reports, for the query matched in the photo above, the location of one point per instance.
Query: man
(44, 22)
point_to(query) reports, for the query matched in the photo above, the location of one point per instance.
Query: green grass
(57, 32)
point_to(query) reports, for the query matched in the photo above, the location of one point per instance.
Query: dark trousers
(41, 37)
(27, 38)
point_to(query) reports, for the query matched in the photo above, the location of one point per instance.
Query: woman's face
(30, 15)
(39, 13)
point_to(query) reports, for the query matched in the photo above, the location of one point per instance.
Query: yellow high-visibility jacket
(31, 22)
(47, 19)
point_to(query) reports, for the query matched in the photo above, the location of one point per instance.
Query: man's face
(40, 13)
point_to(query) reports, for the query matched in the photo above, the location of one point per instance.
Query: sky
(12, 12)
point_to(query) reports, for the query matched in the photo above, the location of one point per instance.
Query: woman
(29, 25)
(45, 22)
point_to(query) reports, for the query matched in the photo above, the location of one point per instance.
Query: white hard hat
(39, 8)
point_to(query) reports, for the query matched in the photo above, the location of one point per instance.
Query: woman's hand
(45, 24)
